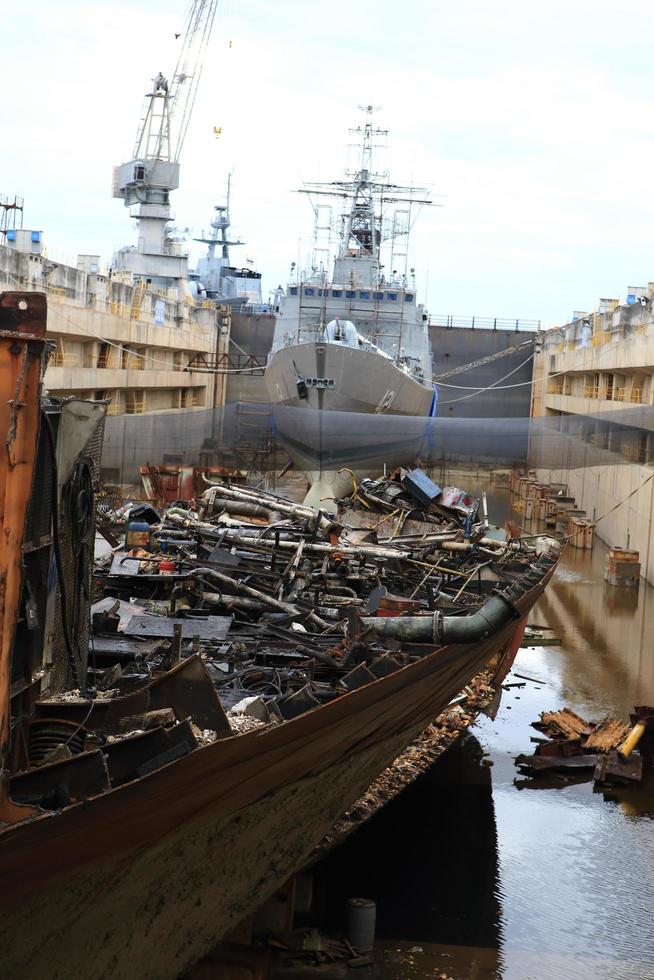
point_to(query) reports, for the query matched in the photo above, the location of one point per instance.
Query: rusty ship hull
(143, 880)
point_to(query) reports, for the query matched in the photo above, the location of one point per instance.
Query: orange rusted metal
(22, 343)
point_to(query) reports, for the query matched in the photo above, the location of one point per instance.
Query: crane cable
(522, 384)
(492, 387)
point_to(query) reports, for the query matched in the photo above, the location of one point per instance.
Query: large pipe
(317, 519)
(238, 507)
(226, 580)
(440, 629)
(251, 539)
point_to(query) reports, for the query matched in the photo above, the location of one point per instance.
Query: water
(478, 872)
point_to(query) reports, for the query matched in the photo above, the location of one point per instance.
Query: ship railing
(452, 321)
(256, 308)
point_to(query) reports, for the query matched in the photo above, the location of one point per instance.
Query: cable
(521, 384)
(492, 387)
(594, 523)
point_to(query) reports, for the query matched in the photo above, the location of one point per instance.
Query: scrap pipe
(439, 629)
(243, 508)
(212, 574)
(317, 547)
(233, 601)
(319, 519)
(468, 546)
(252, 541)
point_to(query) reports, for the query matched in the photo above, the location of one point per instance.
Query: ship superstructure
(358, 341)
(215, 276)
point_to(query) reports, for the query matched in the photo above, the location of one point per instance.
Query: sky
(530, 123)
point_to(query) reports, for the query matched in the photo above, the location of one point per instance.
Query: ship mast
(219, 228)
(362, 226)
(368, 195)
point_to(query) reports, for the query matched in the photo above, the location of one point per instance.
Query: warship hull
(344, 379)
(145, 879)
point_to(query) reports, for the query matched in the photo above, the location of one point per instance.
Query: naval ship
(357, 343)
(215, 277)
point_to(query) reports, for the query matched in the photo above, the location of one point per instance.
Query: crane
(535, 341)
(145, 182)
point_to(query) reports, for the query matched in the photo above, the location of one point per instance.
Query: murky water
(480, 873)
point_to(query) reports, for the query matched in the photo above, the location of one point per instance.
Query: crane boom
(188, 71)
(145, 182)
(486, 360)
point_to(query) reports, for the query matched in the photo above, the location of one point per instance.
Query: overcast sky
(530, 123)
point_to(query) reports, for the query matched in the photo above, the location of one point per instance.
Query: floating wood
(608, 735)
(566, 723)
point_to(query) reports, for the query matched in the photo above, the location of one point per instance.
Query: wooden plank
(609, 735)
(566, 723)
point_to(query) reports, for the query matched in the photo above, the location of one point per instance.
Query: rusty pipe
(440, 629)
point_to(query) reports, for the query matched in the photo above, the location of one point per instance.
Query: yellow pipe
(632, 739)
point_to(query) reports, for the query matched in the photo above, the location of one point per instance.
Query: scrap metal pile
(293, 606)
(604, 749)
(241, 609)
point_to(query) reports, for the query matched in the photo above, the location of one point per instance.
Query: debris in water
(606, 747)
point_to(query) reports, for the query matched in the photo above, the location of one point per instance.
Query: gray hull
(355, 381)
(361, 411)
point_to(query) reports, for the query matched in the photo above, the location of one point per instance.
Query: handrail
(450, 320)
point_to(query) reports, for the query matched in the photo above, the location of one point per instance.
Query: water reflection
(494, 881)
(429, 859)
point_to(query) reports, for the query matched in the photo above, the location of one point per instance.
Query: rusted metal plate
(187, 689)
(211, 628)
(562, 747)
(612, 768)
(82, 776)
(543, 762)
(126, 757)
(122, 646)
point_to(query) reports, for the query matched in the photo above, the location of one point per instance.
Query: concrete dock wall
(454, 346)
